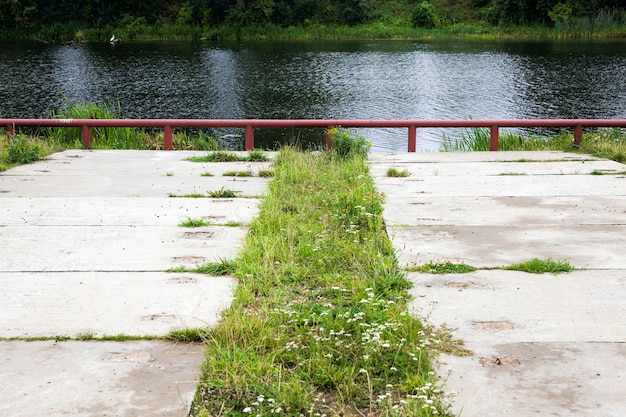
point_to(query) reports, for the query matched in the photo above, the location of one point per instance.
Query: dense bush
(23, 150)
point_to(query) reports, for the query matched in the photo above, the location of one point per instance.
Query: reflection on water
(334, 80)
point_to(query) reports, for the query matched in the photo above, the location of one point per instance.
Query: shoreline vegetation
(374, 31)
(66, 21)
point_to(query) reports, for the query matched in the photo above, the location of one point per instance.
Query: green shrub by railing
(22, 150)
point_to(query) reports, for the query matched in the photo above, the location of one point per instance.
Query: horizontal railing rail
(250, 124)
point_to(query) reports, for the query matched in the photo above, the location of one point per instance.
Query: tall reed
(102, 138)
(121, 137)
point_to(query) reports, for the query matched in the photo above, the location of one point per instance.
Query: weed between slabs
(319, 324)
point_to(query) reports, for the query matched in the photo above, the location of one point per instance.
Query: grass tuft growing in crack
(191, 222)
(539, 266)
(434, 267)
(319, 324)
(222, 267)
(396, 173)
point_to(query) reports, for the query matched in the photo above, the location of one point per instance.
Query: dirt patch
(505, 360)
(189, 259)
(182, 280)
(198, 235)
(463, 285)
(138, 357)
(159, 317)
(492, 325)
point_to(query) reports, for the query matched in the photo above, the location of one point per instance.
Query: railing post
(493, 138)
(249, 138)
(329, 139)
(168, 141)
(412, 138)
(578, 136)
(86, 136)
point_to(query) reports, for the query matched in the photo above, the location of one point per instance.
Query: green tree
(354, 11)
(424, 16)
(561, 13)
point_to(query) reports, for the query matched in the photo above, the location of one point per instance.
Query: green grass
(538, 266)
(223, 267)
(534, 266)
(396, 173)
(188, 335)
(233, 224)
(237, 174)
(257, 155)
(191, 195)
(319, 323)
(222, 193)
(21, 149)
(434, 267)
(224, 156)
(217, 156)
(264, 173)
(191, 222)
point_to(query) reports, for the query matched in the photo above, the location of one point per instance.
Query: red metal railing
(250, 124)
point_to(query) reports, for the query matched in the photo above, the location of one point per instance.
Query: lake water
(322, 79)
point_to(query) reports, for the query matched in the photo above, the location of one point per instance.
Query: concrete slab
(89, 379)
(114, 248)
(109, 303)
(85, 173)
(497, 307)
(390, 158)
(540, 379)
(543, 344)
(149, 211)
(589, 246)
(523, 211)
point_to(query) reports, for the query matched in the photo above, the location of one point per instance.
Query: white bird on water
(114, 40)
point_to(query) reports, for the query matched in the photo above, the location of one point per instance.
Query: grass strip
(539, 266)
(534, 266)
(319, 322)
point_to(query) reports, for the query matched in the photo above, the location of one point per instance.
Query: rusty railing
(250, 124)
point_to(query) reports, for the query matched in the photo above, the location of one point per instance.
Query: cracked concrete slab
(86, 238)
(84, 379)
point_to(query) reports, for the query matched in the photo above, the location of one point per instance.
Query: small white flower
(247, 410)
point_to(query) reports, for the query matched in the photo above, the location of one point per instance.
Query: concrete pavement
(546, 345)
(86, 237)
